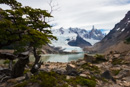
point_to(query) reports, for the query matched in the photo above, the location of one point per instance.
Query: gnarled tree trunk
(36, 65)
(18, 68)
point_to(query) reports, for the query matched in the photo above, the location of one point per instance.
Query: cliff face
(115, 39)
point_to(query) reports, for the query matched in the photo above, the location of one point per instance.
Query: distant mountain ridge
(116, 37)
(76, 37)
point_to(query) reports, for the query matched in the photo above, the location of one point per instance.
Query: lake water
(59, 57)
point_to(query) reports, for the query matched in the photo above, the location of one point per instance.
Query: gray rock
(88, 58)
(108, 76)
(83, 75)
(116, 55)
(59, 71)
(68, 77)
(123, 73)
(45, 70)
(71, 70)
(80, 63)
(126, 79)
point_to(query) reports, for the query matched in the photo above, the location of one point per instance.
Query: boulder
(108, 76)
(80, 63)
(45, 70)
(126, 78)
(86, 72)
(59, 71)
(126, 84)
(116, 55)
(71, 70)
(88, 58)
(83, 75)
(69, 77)
(123, 73)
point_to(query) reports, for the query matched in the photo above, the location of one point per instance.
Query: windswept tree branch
(53, 7)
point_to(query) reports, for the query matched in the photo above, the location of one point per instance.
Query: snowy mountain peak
(68, 38)
(93, 28)
(69, 34)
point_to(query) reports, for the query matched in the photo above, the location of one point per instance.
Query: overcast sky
(104, 14)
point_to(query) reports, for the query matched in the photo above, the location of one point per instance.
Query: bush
(86, 82)
(116, 61)
(82, 81)
(99, 58)
(7, 62)
(26, 70)
(45, 79)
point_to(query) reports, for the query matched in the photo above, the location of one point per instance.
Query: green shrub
(46, 79)
(26, 70)
(82, 81)
(99, 58)
(86, 82)
(52, 79)
(7, 62)
(116, 61)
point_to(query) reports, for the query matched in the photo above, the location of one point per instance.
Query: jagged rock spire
(93, 27)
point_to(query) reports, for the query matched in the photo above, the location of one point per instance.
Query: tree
(24, 28)
(36, 19)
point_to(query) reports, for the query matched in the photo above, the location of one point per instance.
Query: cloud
(104, 14)
(85, 13)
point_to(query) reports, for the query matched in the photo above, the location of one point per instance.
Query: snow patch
(118, 29)
(122, 29)
(91, 41)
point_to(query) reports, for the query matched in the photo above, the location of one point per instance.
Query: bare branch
(53, 7)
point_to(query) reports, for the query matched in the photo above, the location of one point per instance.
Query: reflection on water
(59, 57)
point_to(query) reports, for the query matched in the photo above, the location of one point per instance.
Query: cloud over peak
(104, 14)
